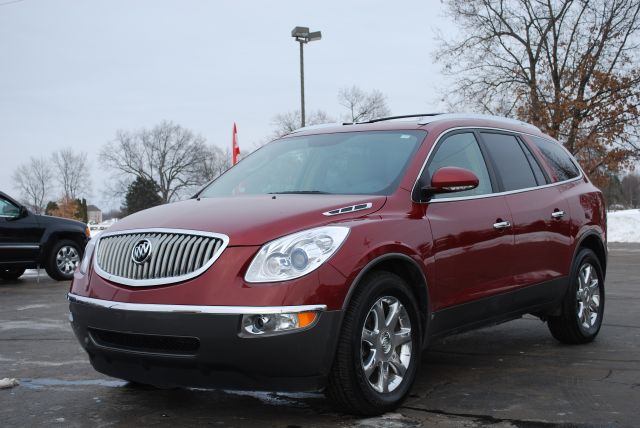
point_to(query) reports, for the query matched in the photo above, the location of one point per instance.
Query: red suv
(332, 257)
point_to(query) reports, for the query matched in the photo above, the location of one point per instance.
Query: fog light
(270, 324)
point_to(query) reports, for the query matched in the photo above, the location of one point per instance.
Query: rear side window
(510, 160)
(461, 150)
(557, 158)
(541, 178)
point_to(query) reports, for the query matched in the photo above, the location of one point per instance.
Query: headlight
(88, 252)
(295, 255)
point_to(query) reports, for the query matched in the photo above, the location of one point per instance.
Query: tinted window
(461, 150)
(510, 161)
(7, 209)
(537, 171)
(558, 159)
(365, 163)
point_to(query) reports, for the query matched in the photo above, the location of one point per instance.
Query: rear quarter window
(510, 160)
(560, 162)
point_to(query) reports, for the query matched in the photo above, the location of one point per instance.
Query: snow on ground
(623, 226)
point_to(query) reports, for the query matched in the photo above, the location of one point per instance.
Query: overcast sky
(73, 72)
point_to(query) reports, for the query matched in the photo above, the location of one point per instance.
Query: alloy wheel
(67, 259)
(386, 344)
(588, 296)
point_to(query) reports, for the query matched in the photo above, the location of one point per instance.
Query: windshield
(367, 163)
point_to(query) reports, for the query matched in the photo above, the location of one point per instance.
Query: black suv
(29, 241)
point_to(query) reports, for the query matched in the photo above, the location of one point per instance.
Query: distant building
(94, 214)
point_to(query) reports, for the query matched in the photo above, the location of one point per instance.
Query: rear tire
(11, 274)
(379, 347)
(61, 262)
(582, 308)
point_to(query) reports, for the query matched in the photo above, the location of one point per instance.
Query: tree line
(150, 166)
(622, 193)
(63, 176)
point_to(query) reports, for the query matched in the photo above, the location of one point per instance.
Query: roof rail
(448, 116)
(425, 118)
(404, 116)
(318, 126)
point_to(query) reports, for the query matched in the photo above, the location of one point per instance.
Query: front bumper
(199, 346)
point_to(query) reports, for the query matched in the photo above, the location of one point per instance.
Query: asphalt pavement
(514, 374)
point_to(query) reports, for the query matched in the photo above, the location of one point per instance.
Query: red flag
(235, 148)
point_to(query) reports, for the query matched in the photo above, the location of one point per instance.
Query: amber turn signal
(306, 318)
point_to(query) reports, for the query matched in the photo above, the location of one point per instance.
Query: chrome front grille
(175, 255)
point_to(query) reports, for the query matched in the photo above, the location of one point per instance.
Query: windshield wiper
(300, 192)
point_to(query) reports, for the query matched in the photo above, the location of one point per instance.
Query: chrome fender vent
(147, 257)
(349, 209)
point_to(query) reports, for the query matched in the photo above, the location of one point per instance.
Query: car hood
(61, 222)
(249, 220)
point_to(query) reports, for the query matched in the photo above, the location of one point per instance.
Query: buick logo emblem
(141, 251)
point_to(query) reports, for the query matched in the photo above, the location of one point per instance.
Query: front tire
(582, 308)
(379, 347)
(11, 274)
(61, 262)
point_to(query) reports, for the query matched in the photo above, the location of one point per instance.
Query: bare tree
(35, 182)
(288, 122)
(214, 163)
(71, 171)
(567, 66)
(363, 106)
(168, 154)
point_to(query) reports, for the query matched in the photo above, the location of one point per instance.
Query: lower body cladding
(198, 349)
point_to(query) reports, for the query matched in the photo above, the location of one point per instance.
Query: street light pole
(302, 115)
(303, 36)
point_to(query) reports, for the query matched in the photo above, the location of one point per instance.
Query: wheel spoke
(370, 365)
(378, 310)
(369, 336)
(397, 366)
(580, 308)
(586, 313)
(402, 337)
(383, 378)
(394, 314)
(587, 274)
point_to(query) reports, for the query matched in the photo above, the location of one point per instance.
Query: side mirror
(23, 212)
(449, 179)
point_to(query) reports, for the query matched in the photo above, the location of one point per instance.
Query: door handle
(557, 214)
(501, 225)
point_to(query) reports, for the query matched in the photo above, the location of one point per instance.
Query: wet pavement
(514, 374)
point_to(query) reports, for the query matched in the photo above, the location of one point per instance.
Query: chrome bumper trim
(193, 309)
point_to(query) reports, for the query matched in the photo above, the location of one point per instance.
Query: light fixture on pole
(303, 36)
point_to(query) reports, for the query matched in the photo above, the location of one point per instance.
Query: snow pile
(8, 383)
(623, 226)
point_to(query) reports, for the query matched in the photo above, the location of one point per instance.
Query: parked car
(29, 241)
(96, 228)
(332, 257)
